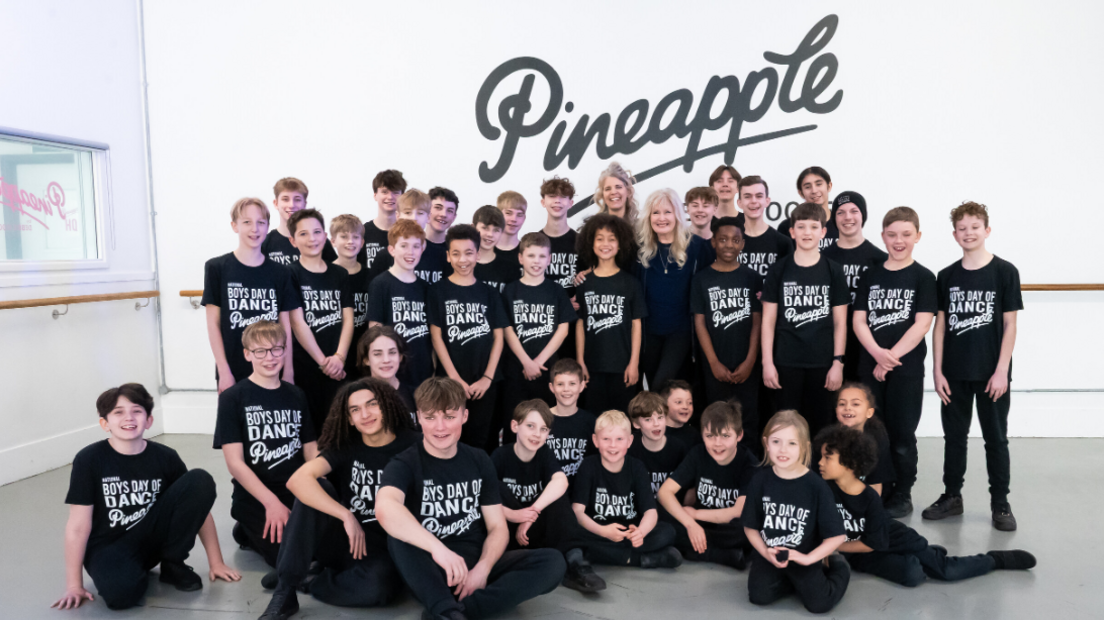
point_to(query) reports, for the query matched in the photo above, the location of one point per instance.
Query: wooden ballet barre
(79, 299)
(193, 297)
(1062, 287)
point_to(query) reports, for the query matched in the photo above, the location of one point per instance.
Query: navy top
(667, 292)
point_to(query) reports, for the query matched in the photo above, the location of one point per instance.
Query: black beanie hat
(846, 197)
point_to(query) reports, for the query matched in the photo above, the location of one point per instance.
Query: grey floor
(1057, 498)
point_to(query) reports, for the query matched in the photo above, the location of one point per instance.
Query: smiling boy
(387, 186)
(495, 268)
(291, 196)
(347, 232)
(397, 298)
(442, 213)
(659, 453)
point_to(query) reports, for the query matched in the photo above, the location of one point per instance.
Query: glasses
(263, 353)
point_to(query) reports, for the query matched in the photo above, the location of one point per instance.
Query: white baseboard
(42, 455)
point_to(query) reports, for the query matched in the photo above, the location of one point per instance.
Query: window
(51, 201)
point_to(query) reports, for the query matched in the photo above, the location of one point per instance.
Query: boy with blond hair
(291, 196)
(347, 233)
(241, 288)
(414, 205)
(513, 207)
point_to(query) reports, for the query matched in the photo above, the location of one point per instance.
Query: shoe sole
(940, 516)
(571, 585)
(1004, 528)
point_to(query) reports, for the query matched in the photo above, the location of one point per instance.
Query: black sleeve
(747, 474)
(82, 482)
(496, 310)
(786, 244)
(756, 290)
(1011, 296)
(580, 298)
(336, 458)
(212, 284)
(638, 309)
(498, 459)
(829, 521)
(642, 486)
(773, 283)
(941, 290)
(329, 254)
(564, 309)
(875, 530)
(686, 474)
(307, 432)
(176, 467)
(927, 296)
(862, 296)
(434, 314)
(698, 303)
(549, 466)
(752, 515)
(488, 495)
(347, 300)
(228, 427)
(398, 474)
(840, 292)
(287, 296)
(583, 483)
(378, 298)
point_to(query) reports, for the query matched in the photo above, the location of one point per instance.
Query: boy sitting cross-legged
(659, 453)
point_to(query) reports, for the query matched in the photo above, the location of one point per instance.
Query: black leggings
(513, 390)
(555, 528)
(899, 402)
(371, 581)
(517, 576)
(478, 431)
(167, 533)
(803, 390)
(818, 588)
(600, 550)
(662, 358)
(910, 559)
(717, 537)
(250, 516)
(607, 390)
(993, 417)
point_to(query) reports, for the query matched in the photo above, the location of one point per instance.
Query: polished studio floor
(1057, 497)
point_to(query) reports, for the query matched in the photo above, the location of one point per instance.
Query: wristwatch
(838, 358)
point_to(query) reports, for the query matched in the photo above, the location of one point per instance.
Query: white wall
(942, 102)
(72, 69)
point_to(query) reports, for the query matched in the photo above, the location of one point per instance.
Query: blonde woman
(669, 256)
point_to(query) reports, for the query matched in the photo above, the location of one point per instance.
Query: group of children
(478, 480)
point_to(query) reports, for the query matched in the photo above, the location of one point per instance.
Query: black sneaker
(270, 580)
(899, 505)
(1013, 560)
(284, 604)
(945, 506)
(181, 576)
(668, 557)
(239, 537)
(582, 578)
(1003, 519)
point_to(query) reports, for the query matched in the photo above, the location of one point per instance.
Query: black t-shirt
(535, 313)
(271, 426)
(561, 267)
(975, 303)
(525, 480)
(121, 488)
(358, 285)
(324, 296)
(803, 332)
(855, 261)
(434, 263)
(830, 238)
(659, 464)
(571, 440)
(796, 514)
(608, 306)
(467, 316)
(279, 250)
(609, 497)
(891, 300)
(402, 305)
(762, 252)
(727, 301)
(501, 271)
(445, 495)
(688, 434)
(883, 470)
(374, 254)
(716, 486)
(244, 296)
(864, 518)
(357, 471)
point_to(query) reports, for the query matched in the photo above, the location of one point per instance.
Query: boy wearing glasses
(265, 433)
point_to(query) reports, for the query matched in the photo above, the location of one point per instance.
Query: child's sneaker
(945, 506)
(1003, 519)
(180, 575)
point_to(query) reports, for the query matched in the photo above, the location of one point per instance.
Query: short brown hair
(391, 179)
(672, 385)
(439, 394)
(705, 194)
(404, 229)
(264, 331)
(813, 170)
(414, 200)
(644, 404)
(750, 180)
(557, 186)
(134, 392)
(721, 415)
(289, 184)
(808, 211)
(534, 239)
(299, 216)
(242, 203)
(346, 223)
(566, 366)
(721, 170)
(488, 215)
(901, 214)
(526, 407)
(375, 332)
(511, 200)
(970, 207)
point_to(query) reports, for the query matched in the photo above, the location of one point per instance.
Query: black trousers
(910, 559)
(517, 576)
(479, 431)
(993, 417)
(250, 515)
(515, 389)
(852, 354)
(747, 394)
(607, 390)
(899, 402)
(167, 533)
(717, 536)
(371, 581)
(803, 390)
(601, 550)
(663, 358)
(818, 588)
(319, 388)
(555, 528)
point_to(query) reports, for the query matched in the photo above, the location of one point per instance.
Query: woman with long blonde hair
(669, 256)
